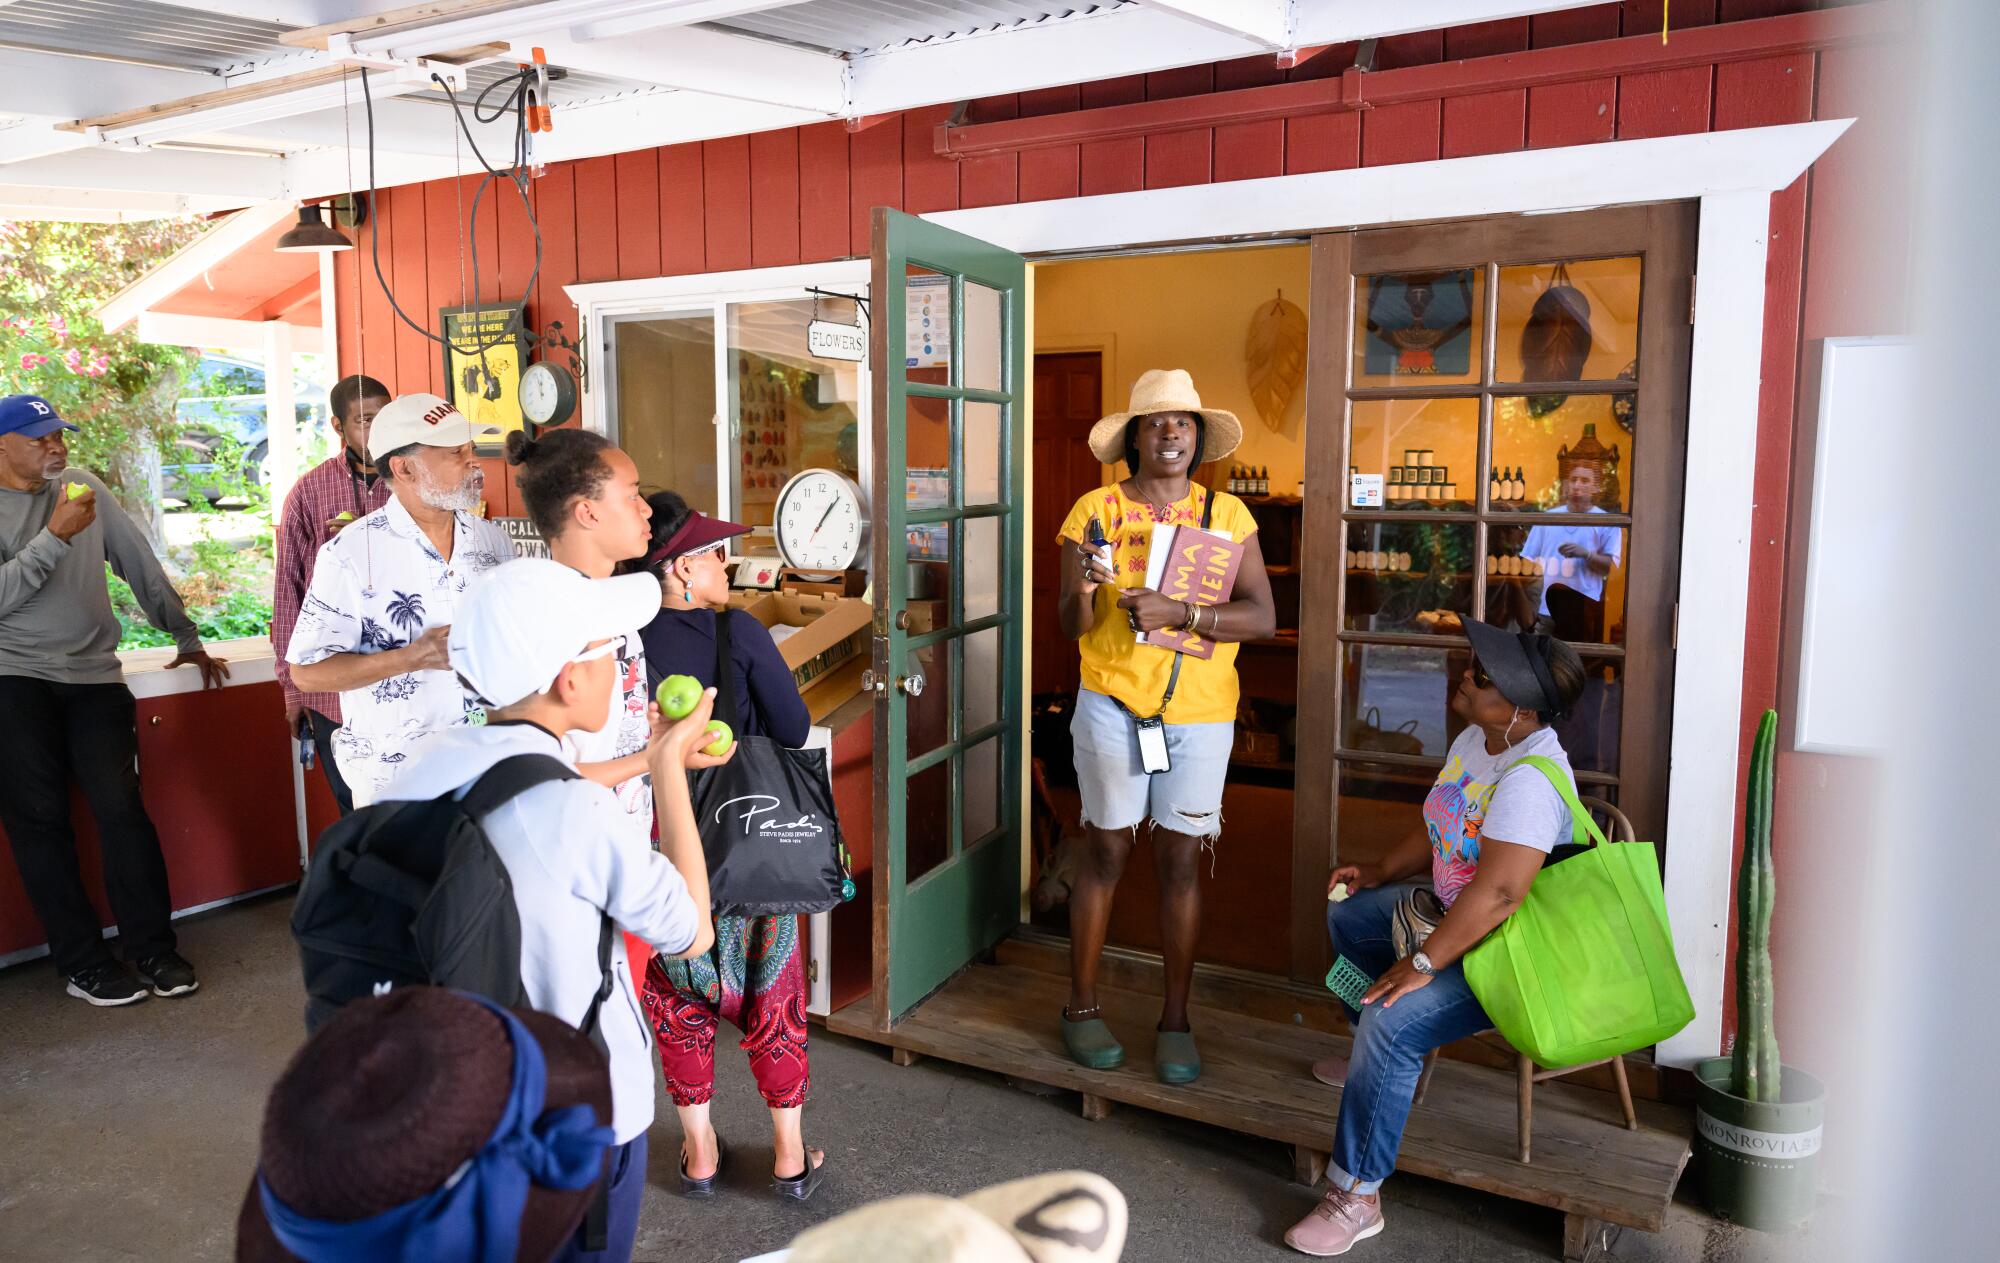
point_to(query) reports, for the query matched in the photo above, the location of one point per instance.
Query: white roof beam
(97, 206)
(208, 181)
(501, 25)
(1264, 22)
(289, 12)
(1316, 22)
(44, 84)
(37, 138)
(167, 329)
(705, 61)
(404, 126)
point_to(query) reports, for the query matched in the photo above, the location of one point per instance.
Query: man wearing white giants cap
(384, 591)
(536, 643)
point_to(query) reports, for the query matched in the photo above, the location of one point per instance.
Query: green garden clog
(1091, 1043)
(1174, 1057)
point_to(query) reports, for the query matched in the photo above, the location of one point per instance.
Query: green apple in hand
(678, 696)
(76, 489)
(720, 746)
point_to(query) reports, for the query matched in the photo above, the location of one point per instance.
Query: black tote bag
(768, 824)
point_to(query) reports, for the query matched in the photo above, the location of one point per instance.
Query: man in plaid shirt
(340, 490)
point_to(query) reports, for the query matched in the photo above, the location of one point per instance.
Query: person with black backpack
(534, 642)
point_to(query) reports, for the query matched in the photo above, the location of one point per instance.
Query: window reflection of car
(223, 446)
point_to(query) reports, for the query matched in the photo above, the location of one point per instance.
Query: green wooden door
(949, 367)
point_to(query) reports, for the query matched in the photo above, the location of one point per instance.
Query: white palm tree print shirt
(378, 585)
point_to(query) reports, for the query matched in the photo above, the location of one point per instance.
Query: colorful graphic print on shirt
(1131, 530)
(1454, 812)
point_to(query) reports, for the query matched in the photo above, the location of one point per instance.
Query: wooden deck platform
(1256, 1080)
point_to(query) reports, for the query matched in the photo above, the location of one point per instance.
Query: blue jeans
(1389, 1044)
(628, 1189)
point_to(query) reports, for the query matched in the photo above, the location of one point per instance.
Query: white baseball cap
(524, 621)
(420, 418)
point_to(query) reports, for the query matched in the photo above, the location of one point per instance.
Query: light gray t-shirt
(1479, 795)
(55, 610)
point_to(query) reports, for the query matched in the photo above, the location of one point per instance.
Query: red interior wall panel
(875, 174)
(774, 198)
(403, 244)
(992, 179)
(1179, 158)
(375, 333)
(1572, 113)
(1488, 122)
(1400, 133)
(442, 262)
(930, 181)
(1322, 142)
(1664, 103)
(1248, 151)
(823, 192)
(1054, 172)
(683, 226)
(1486, 39)
(725, 183)
(1574, 26)
(597, 219)
(636, 178)
(555, 212)
(1112, 166)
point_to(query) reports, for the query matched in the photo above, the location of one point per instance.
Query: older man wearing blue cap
(68, 713)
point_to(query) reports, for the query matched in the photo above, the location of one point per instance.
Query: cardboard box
(828, 632)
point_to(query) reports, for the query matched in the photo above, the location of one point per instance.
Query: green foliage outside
(121, 392)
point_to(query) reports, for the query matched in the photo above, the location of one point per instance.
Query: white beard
(463, 498)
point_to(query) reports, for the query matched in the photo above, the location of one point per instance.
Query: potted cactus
(1757, 1121)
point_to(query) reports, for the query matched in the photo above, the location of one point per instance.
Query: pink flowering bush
(53, 277)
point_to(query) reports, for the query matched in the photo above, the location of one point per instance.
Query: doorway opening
(1098, 324)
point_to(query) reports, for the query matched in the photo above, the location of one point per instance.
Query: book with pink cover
(1187, 563)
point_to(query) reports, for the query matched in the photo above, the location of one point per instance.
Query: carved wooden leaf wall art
(1274, 356)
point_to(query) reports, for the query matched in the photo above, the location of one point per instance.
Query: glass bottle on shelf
(1493, 495)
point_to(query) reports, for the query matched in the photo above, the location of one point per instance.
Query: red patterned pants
(755, 978)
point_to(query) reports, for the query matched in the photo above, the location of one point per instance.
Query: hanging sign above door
(827, 340)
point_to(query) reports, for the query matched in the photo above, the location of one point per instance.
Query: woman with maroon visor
(755, 975)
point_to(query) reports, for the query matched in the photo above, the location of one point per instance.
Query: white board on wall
(1865, 460)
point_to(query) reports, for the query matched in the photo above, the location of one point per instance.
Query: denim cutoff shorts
(1118, 793)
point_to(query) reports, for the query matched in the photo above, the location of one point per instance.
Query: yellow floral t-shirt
(1114, 662)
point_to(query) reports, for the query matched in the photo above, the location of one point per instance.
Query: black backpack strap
(1174, 677)
(725, 675)
(607, 937)
(515, 774)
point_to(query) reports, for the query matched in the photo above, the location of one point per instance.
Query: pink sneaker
(1331, 1071)
(1341, 1219)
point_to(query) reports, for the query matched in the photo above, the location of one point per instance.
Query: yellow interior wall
(1188, 311)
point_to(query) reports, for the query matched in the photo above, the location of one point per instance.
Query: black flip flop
(691, 1187)
(801, 1187)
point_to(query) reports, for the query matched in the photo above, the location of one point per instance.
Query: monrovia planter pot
(1759, 1159)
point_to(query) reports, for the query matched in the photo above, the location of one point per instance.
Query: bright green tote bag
(1584, 969)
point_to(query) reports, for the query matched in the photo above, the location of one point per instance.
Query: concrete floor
(131, 1134)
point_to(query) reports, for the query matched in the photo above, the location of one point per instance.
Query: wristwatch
(1422, 964)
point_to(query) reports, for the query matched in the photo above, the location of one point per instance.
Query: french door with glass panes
(1499, 429)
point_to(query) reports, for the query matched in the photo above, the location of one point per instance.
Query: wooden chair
(1527, 1072)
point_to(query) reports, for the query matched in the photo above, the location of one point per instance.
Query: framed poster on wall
(482, 364)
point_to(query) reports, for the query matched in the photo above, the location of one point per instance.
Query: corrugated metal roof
(139, 30)
(863, 26)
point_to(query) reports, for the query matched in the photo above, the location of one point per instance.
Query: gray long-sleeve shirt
(55, 610)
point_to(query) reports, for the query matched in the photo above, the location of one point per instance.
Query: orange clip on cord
(543, 119)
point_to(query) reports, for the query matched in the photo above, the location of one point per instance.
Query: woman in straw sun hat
(1152, 728)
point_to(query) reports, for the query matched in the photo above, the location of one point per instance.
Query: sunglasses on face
(1480, 680)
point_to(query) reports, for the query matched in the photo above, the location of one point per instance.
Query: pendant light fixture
(312, 234)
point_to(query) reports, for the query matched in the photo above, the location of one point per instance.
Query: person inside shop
(755, 977)
(1161, 439)
(373, 623)
(582, 493)
(1575, 559)
(65, 711)
(429, 1124)
(534, 646)
(1487, 827)
(327, 499)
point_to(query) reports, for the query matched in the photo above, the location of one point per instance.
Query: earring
(688, 597)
